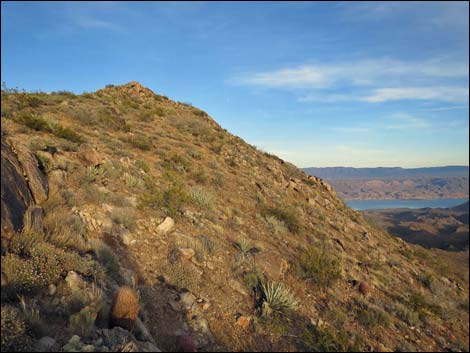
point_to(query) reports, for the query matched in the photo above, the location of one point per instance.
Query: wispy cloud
(406, 80)
(358, 73)
(88, 22)
(440, 109)
(446, 94)
(407, 121)
(444, 14)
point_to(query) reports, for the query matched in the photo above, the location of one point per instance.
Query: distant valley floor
(444, 228)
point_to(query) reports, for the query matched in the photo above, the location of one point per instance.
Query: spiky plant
(243, 245)
(276, 298)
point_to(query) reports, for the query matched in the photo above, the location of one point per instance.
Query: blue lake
(361, 205)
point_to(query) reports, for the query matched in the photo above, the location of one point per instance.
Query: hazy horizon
(320, 84)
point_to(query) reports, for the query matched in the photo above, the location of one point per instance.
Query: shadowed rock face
(18, 179)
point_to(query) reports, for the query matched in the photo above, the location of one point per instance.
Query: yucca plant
(276, 298)
(244, 246)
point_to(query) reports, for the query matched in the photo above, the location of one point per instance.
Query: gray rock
(46, 344)
(75, 281)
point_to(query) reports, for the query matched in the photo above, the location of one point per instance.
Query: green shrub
(317, 266)
(276, 298)
(171, 199)
(285, 215)
(141, 164)
(202, 197)
(67, 134)
(33, 122)
(141, 142)
(14, 336)
(125, 217)
(208, 244)
(106, 257)
(32, 264)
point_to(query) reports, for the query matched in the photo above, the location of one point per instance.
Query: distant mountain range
(342, 173)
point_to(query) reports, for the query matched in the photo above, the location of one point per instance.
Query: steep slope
(154, 194)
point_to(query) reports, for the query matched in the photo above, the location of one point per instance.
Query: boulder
(46, 344)
(75, 281)
(166, 226)
(16, 195)
(36, 179)
(271, 264)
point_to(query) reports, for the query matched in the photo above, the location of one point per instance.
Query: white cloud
(359, 73)
(439, 109)
(407, 121)
(446, 94)
(426, 80)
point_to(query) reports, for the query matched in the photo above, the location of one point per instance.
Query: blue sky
(360, 84)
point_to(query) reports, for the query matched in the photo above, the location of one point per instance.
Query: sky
(357, 84)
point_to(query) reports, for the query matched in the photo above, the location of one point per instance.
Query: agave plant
(276, 298)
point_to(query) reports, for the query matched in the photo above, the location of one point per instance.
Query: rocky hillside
(220, 246)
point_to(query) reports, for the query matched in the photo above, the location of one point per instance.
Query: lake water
(361, 205)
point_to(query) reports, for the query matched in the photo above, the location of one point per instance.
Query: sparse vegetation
(318, 266)
(276, 298)
(284, 215)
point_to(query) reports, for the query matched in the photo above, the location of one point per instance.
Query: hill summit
(125, 198)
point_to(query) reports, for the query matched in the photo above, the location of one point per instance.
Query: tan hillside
(228, 247)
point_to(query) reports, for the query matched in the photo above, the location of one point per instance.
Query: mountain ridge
(146, 192)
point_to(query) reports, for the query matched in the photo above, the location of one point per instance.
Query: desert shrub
(218, 180)
(200, 177)
(195, 154)
(32, 264)
(372, 316)
(318, 266)
(113, 121)
(141, 164)
(33, 122)
(202, 197)
(411, 317)
(171, 199)
(14, 336)
(31, 315)
(276, 298)
(106, 257)
(40, 124)
(176, 162)
(276, 226)
(208, 244)
(141, 142)
(244, 246)
(285, 215)
(181, 276)
(133, 181)
(426, 279)
(83, 322)
(125, 217)
(66, 133)
(66, 230)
